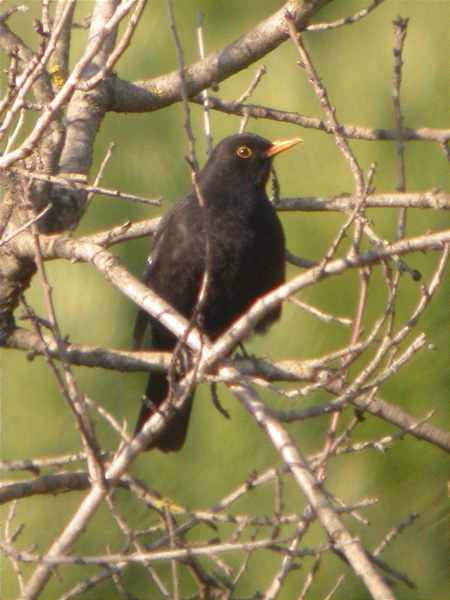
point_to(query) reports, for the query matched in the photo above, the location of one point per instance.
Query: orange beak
(281, 146)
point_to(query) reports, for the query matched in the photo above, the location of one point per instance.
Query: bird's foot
(216, 402)
(241, 352)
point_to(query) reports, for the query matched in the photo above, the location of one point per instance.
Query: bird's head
(244, 160)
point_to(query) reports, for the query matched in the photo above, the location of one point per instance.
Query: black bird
(246, 260)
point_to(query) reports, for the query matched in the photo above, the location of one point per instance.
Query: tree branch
(441, 136)
(145, 96)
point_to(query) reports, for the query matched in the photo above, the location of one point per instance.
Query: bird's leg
(242, 352)
(216, 402)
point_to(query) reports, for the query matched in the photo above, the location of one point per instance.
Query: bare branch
(339, 535)
(78, 182)
(68, 87)
(434, 200)
(46, 196)
(441, 136)
(345, 20)
(144, 96)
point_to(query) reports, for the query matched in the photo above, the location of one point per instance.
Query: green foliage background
(356, 65)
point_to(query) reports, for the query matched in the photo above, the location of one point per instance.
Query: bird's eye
(244, 152)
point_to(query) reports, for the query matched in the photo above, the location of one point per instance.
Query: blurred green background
(356, 66)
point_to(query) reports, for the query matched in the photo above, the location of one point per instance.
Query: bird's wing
(142, 318)
(172, 215)
(141, 322)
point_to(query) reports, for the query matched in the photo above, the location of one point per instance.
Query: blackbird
(246, 258)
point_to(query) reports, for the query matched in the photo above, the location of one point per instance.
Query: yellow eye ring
(244, 152)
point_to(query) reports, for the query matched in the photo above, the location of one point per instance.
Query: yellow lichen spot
(168, 504)
(156, 90)
(57, 76)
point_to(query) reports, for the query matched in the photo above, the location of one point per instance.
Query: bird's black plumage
(247, 256)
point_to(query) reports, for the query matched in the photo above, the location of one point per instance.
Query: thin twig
(357, 132)
(78, 182)
(10, 538)
(204, 94)
(194, 168)
(26, 225)
(100, 172)
(69, 85)
(118, 51)
(320, 314)
(67, 384)
(345, 20)
(394, 532)
(248, 92)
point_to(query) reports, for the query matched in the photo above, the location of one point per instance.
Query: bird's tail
(174, 436)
